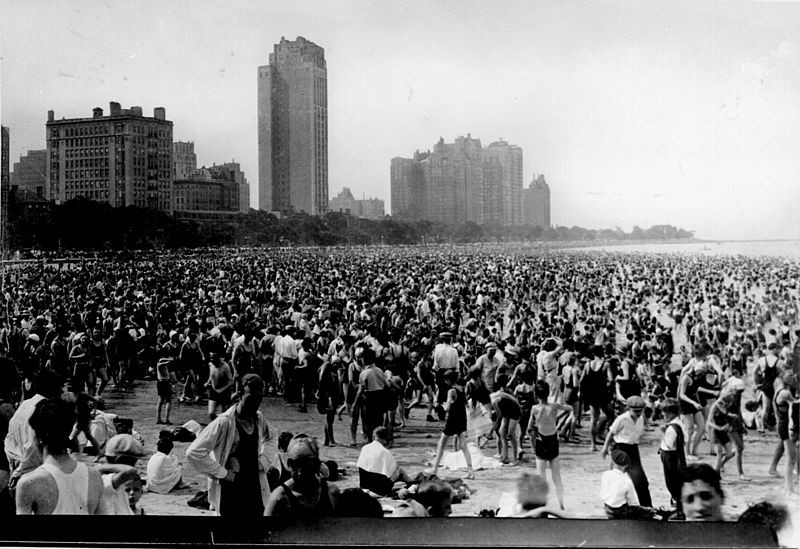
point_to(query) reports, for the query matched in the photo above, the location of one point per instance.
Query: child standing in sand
(544, 436)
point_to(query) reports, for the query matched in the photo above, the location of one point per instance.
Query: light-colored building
(368, 208)
(372, 208)
(408, 187)
(124, 159)
(206, 194)
(30, 173)
(459, 182)
(232, 171)
(536, 203)
(508, 209)
(293, 129)
(184, 160)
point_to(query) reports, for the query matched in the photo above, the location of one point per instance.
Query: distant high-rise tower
(509, 195)
(293, 129)
(5, 184)
(536, 203)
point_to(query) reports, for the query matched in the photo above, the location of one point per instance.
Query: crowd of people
(531, 341)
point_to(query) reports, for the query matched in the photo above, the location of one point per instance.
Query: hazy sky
(639, 112)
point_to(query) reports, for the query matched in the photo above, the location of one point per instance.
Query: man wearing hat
(626, 432)
(489, 363)
(237, 471)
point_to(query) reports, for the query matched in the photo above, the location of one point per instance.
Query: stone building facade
(30, 173)
(124, 158)
(459, 182)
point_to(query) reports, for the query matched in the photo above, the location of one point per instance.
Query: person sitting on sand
(122, 453)
(436, 497)
(378, 470)
(530, 500)
(164, 471)
(307, 494)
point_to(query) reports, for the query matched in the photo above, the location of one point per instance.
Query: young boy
(544, 436)
(166, 379)
(673, 457)
(616, 488)
(122, 453)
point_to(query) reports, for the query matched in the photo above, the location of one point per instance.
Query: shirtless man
(220, 385)
(61, 485)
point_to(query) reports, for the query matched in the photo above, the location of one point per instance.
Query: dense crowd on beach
(529, 351)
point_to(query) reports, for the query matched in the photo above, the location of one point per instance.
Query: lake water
(771, 248)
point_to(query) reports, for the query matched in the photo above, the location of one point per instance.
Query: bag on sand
(199, 501)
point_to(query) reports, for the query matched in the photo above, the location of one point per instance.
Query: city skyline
(700, 101)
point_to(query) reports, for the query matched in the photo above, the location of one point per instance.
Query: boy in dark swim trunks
(166, 378)
(544, 436)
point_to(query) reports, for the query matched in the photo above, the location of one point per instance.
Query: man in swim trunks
(220, 385)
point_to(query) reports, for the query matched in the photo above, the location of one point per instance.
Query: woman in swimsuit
(594, 388)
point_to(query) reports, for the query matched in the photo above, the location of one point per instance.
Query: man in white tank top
(61, 485)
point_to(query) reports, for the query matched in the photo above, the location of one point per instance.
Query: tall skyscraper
(124, 158)
(508, 211)
(5, 183)
(536, 203)
(293, 129)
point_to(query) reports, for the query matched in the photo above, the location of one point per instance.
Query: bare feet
(470, 475)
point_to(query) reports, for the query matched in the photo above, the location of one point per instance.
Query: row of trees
(85, 224)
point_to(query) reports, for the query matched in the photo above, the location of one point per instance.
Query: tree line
(81, 223)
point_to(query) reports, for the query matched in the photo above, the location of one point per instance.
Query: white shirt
(22, 449)
(375, 458)
(616, 489)
(670, 441)
(163, 473)
(625, 431)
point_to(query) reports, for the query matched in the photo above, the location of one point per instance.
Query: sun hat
(124, 446)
